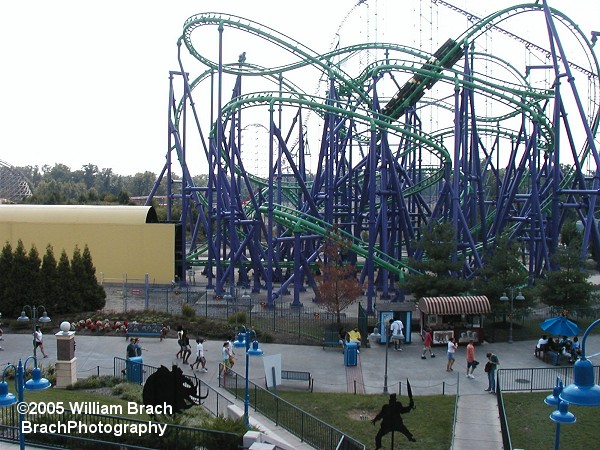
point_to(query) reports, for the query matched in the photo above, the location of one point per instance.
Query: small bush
(237, 318)
(188, 311)
(95, 382)
(128, 392)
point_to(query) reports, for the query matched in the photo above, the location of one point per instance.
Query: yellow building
(124, 241)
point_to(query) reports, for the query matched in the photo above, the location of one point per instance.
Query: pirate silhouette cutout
(173, 388)
(391, 419)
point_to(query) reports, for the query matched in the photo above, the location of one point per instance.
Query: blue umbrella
(560, 326)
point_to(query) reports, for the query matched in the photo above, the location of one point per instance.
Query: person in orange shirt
(470, 360)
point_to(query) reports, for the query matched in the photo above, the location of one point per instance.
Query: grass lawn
(430, 422)
(531, 428)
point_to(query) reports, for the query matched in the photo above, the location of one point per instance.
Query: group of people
(490, 367)
(561, 346)
(185, 350)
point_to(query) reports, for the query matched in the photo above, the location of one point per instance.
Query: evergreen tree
(50, 281)
(6, 260)
(502, 271)
(440, 274)
(78, 281)
(568, 287)
(95, 296)
(20, 290)
(66, 302)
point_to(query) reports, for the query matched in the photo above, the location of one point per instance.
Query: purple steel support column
(269, 274)
(219, 178)
(298, 275)
(590, 228)
(371, 292)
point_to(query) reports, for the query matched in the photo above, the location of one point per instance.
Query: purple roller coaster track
(409, 139)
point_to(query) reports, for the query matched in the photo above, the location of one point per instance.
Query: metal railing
(529, 379)
(301, 424)
(538, 378)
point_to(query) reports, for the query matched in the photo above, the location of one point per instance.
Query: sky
(86, 82)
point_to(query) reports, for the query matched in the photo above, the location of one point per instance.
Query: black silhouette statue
(392, 421)
(171, 388)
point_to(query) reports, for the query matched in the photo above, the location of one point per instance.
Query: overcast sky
(87, 82)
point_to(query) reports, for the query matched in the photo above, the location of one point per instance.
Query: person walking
(179, 354)
(396, 329)
(427, 341)
(452, 346)
(200, 359)
(187, 348)
(225, 365)
(470, 359)
(490, 367)
(38, 341)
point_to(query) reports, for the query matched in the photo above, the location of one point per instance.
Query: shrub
(95, 382)
(188, 311)
(237, 318)
(128, 392)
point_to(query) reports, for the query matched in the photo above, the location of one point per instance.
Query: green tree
(50, 281)
(66, 301)
(22, 284)
(337, 286)
(6, 261)
(94, 295)
(502, 270)
(568, 287)
(440, 271)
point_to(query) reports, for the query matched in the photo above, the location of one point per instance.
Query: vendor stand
(457, 317)
(396, 311)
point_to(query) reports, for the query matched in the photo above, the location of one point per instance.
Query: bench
(552, 357)
(135, 329)
(296, 375)
(331, 339)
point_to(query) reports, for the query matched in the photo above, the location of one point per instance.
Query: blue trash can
(351, 354)
(134, 369)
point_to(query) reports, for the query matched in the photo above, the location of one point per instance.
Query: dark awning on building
(478, 304)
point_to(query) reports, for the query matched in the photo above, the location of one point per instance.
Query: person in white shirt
(38, 341)
(397, 330)
(200, 359)
(541, 345)
(452, 346)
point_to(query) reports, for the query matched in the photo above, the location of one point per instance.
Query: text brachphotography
(75, 426)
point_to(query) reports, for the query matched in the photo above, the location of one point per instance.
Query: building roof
(455, 305)
(78, 214)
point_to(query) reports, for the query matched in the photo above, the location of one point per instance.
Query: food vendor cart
(457, 317)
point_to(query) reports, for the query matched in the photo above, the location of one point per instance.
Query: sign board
(272, 365)
(136, 291)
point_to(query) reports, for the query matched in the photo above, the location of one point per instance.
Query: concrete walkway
(475, 406)
(477, 423)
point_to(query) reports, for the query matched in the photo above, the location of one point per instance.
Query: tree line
(60, 185)
(63, 286)
(440, 272)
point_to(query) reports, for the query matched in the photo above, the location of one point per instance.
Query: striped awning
(478, 304)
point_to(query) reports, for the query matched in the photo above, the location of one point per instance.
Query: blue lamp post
(582, 392)
(243, 340)
(36, 383)
(561, 414)
(35, 319)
